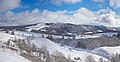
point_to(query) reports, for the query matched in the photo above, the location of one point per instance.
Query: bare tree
(101, 60)
(115, 58)
(58, 56)
(12, 33)
(33, 47)
(89, 59)
(8, 43)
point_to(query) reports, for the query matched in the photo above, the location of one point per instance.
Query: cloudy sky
(96, 12)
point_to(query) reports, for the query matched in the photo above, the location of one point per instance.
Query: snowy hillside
(37, 27)
(51, 47)
(66, 51)
(7, 55)
(40, 40)
(107, 51)
(11, 56)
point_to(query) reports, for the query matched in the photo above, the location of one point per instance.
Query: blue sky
(46, 4)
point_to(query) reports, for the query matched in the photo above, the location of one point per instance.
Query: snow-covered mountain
(66, 29)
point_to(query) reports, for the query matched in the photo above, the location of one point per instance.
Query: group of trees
(32, 50)
(89, 43)
(56, 56)
(113, 58)
(92, 43)
(10, 32)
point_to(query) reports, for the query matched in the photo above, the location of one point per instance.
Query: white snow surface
(5, 37)
(10, 56)
(51, 46)
(107, 51)
(37, 27)
(107, 33)
(102, 52)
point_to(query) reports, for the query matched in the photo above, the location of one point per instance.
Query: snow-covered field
(5, 37)
(51, 46)
(37, 27)
(107, 51)
(107, 33)
(7, 55)
(11, 56)
(67, 51)
(96, 35)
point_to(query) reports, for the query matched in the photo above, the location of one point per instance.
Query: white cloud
(112, 3)
(21, 18)
(71, 1)
(83, 16)
(9, 4)
(108, 17)
(60, 2)
(80, 16)
(115, 3)
(99, 1)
